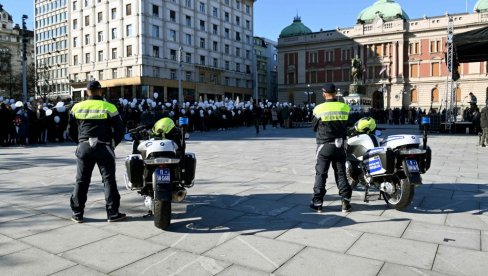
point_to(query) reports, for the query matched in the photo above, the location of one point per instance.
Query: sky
(272, 16)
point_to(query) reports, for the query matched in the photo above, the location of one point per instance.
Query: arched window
(457, 94)
(434, 96)
(413, 96)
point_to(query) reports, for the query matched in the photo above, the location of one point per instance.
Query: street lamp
(309, 93)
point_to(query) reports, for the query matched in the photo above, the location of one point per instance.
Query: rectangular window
(435, 69)
(188, 75)
(227, 33)
(238, 4)
(188, 20)
(155, 10)
(87, 20)
(114, 33)
(172, 74)
(100, 36)
(226, 17)
(432, 47)
(128, 9)
(414, 70)
(248, 24)
(156, 51)
(215, 29)
(100, 55)
(99, 17)
(188, 3)
(114, 53)
(114, 13)
(172, 35)
(75, 60)
(172, 16)
(215, 12)
(100, 75)
(238, 67)
(172, 54)
(328, 75)
(238, 51)
(202, 60)
(188, 39)
(114, 73)
(202, 7)
(238, 36)
(248, 9)
(227, 65)
(215, 62)
(87, 58)
(155, 31)
(128, 51)
(87, 39)
(75, 42)
(202, 42)
(226, 49)
(75, 24)
(238, 21)
(75, 4)
(215, 46)
(128, 30)
(129, 71)
(188, 57)
(202, 25)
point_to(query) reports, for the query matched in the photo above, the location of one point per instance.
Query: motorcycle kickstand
(366, 194)
(379, 197)
(149, 214)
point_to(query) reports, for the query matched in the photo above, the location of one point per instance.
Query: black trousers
(103, 156)
(328, 154)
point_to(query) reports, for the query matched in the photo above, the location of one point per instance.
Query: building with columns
(403, 59)
(133, 47)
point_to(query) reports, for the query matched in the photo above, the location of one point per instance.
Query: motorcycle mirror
(128, 137)
(187, 136)
(377, 133)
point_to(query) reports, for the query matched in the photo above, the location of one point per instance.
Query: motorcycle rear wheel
(162, 213)
(403, 195)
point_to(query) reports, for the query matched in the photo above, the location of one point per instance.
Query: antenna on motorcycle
(425, 122)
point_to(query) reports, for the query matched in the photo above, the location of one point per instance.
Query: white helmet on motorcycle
(365, 125)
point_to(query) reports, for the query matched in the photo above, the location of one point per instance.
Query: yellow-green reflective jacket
(330, 121)
(95, 118)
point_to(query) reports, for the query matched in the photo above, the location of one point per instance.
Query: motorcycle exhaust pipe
(179, 195)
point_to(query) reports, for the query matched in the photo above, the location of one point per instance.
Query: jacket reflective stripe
(94, 110)
(332, 111)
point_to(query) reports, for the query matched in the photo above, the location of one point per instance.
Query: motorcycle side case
(424, 162)
(135, 168)
(378, 161)
(190, 165)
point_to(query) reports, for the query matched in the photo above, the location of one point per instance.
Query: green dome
(296, 28)
(481, 6)
(387, 9)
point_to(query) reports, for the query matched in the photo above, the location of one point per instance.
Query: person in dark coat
(484, 125)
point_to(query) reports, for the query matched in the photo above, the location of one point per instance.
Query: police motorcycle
(160, 171)
(392, 165)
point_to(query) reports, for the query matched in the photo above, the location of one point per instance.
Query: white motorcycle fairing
(395, 141)
(150, 146)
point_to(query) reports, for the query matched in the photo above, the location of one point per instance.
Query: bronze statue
(357, 70)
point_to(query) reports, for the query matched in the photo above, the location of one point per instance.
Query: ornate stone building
(403, 59)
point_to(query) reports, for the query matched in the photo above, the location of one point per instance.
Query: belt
(99, 142)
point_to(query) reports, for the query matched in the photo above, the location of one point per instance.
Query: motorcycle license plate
(412, 166)
(163, 175)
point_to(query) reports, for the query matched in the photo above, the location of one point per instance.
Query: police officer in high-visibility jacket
(330, 124)
(97, 128)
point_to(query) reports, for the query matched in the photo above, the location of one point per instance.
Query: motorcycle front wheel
(162, 213)
(403, 195)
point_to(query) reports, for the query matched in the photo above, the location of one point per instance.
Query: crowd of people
(38, 122)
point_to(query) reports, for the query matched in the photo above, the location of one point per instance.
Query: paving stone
(112, 253)
(264, 226)
(255, 252)
(263, 207)
(66, 238)
(374, 224)
(240, 270)
(468, 220)
(445, 235)
(336, 239)
(305, 214)
(461, 261)
(395, 250)
(484, 241)
(173, 262)
(27, 226)
(401, 270)
(8, 245)
(32, 261)
(11, 212)
(313, 261)
(78, 270)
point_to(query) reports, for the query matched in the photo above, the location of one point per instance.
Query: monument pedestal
(357, 99)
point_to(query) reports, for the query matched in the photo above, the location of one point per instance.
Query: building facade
(404, 61)
(267, 68)
(52, 48)
(11, 57)
(133, 47)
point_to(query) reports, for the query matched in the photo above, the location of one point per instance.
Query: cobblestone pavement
(246, 215)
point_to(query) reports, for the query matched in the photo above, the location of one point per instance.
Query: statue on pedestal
(357, 70)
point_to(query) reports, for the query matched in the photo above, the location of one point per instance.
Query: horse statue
(357, 70)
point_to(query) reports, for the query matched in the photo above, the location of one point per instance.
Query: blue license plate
(163, 175)
(412, 166)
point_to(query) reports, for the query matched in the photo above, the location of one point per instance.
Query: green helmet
(365, 125)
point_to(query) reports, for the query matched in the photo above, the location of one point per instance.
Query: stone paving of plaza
(246, 215)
